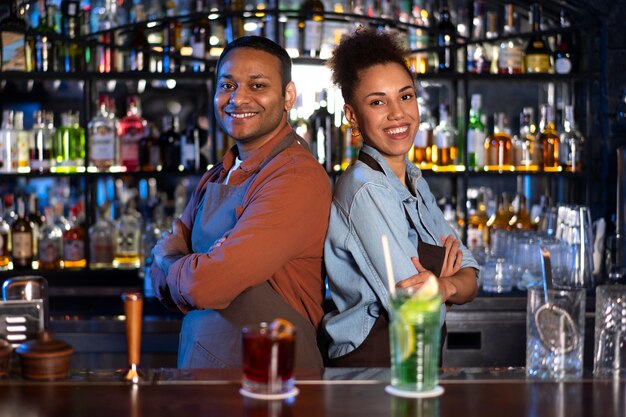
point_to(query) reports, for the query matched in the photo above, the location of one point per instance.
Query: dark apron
(212, 338)
(374, 351)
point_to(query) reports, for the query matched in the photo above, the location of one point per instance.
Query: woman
(383, 194)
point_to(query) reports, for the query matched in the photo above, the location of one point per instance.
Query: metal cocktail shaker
(28, 288)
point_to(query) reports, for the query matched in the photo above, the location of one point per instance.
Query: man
(248, 247)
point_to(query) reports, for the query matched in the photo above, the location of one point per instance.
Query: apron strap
(431, 256)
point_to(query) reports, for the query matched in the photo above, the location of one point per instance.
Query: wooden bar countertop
(330, 392)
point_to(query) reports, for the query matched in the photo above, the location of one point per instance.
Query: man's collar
(252, 162)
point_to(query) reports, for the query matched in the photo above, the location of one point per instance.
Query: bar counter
(168, 392)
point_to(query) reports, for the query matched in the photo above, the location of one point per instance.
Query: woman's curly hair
(363, 49)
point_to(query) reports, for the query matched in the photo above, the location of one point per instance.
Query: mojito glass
(414, 334)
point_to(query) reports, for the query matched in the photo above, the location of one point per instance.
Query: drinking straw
(390, 280)
(274, 388)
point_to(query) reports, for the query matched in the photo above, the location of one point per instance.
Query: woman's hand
(446, 288)
(453, 257)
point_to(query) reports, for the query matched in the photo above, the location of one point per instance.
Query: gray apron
(212, 338)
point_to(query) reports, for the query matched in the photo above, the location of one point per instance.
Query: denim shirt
(366, 205)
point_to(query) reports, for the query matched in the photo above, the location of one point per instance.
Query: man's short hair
(263, 44)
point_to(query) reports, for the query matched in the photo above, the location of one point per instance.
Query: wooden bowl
(45, 358)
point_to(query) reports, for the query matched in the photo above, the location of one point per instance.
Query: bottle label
(421, 139)
(13, 51)
(50, 250)
(189, 153)
(511, 57)
(443, 140)
(129, 147)
(73, 249)
(474, 238)
(22, 245)
(128, 242)
(563, 66)
(102, 145)
(538, 63)
(101, 250)
(476, 144)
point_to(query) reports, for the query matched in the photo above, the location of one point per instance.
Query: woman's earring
(355, 132)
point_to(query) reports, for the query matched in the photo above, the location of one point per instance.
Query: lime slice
(427, 291)
(405, 338)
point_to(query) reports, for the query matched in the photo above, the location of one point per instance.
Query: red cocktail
(268, 357)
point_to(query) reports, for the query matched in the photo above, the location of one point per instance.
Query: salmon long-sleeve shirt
(278, 237)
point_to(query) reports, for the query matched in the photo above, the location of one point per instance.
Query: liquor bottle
(424, 139)
(479, 54)
(59, 217)
(14, 51)
(321, 128)
(500, 219)
(572, 143)
(419, 37)
(191, 141)
(5, 235)
(90, 44)
(511, 58)
(41, 144)
(77, 141)
(126, 253)
(521, 219)
(50, 243)
(173, 39)
(549, 139)
(537, 54)
(446, 40)
(74, 242)
(132, 129)
(445, 139)
(101, 240)
(36, 220)
(477, 225)
(234, 22)
(150, 150)
(23, 140)
(43, 44)
(137, 54)
(71, 58)
(64, 150)
(170, 143)
(155, 230)
(565, 53)
(351, 146)
(476, 134)
(21, 239)
(491, 49)
(200, 32)
(311, 27)
(8, 143)
(498, 145)
(103, 140)
(528, 152)
(107, 21)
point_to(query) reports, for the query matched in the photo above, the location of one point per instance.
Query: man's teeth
(397, 130)
(241, 115)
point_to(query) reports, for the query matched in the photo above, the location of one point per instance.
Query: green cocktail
(414, 333)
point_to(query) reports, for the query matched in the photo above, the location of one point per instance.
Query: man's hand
(170, 248)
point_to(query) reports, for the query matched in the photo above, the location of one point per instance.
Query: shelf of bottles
(113, 56)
